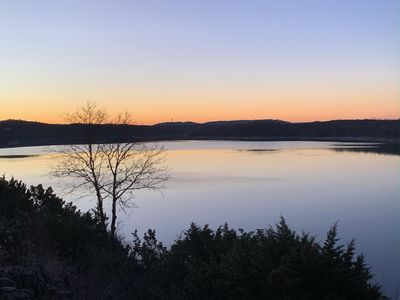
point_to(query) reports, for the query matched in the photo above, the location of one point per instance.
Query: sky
(201, 60)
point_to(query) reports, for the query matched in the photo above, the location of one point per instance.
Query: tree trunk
(99, 208)
(113, 218)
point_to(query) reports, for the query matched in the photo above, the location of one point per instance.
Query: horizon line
(215, 121)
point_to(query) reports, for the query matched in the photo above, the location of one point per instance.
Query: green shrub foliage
(272, 263)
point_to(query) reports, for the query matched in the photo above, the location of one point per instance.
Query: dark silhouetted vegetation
(38, 228)
(19, 133)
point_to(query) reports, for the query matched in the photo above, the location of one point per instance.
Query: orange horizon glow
(299, 104)
(303, 114)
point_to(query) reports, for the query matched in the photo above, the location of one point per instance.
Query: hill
(24, 133)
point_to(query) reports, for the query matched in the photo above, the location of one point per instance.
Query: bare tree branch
(103, 164)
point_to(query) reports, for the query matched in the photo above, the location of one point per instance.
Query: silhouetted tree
(108, 162)
(83, 162)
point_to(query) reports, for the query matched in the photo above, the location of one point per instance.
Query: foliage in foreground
(37, 227)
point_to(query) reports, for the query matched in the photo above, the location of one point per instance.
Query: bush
(272, 263)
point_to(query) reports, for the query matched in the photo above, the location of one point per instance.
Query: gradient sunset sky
(201, 60)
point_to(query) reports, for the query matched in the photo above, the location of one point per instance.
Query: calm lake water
(250, 184)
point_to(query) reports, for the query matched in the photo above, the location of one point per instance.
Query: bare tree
(83, 162)
(130, 166)
(110, 164)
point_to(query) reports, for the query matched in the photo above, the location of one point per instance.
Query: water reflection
(385, 148)
(11, 156)
(378, 148)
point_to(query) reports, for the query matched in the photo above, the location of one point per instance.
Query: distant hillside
(23, 133)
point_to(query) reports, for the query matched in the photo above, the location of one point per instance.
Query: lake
(250, 184)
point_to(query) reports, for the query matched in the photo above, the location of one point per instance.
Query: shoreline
(18, 144)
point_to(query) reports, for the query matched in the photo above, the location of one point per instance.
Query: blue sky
(145, 55)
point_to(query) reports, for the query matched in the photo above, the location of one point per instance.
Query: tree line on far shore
(19, 133)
